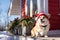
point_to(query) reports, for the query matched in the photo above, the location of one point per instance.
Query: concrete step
(28, 38)
(53, 35)
(37, 38)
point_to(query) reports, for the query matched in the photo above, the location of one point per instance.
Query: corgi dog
(41, 27)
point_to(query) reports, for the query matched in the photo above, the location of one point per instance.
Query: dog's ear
(48, 15)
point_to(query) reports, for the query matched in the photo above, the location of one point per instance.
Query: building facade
(54, 10)
(28, 7)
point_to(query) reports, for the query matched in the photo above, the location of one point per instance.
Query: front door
(55, 14)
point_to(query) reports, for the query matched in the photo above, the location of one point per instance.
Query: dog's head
(42, 19)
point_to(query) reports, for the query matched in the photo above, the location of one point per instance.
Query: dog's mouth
(44, 26)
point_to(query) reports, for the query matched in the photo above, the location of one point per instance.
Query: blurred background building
(28, 7)
(10, 9)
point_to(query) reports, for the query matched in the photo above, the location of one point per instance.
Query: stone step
(37, 38)
(4, 35)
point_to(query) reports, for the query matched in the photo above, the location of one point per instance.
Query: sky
(4, 6)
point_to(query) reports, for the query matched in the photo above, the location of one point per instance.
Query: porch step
(4, 35)
(37, 38)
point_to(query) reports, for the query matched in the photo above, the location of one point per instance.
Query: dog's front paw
(45, 36)
(34, 36)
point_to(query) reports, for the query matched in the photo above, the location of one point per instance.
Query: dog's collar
(43, 26)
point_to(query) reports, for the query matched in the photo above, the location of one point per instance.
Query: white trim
(10, 8)
(42, 5)
(39, 5)
(20, 8)
(45, 6)
(31, 8)
(26, 7)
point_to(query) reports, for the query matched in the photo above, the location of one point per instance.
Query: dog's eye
(42, 20)
(43, 17)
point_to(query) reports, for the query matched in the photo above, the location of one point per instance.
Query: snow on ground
(4, 35)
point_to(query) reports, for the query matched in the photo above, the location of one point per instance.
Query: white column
(39, 6)
(45, 6)
(26, 7)
(8, 15)
(20, 8)
(31, 8)
(9, 11)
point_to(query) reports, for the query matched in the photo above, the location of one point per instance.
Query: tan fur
(38, 30)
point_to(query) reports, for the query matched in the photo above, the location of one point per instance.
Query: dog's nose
(42, 21)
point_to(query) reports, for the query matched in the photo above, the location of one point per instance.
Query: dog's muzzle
(44, 26)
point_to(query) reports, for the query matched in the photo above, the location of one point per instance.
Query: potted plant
(21, 25)
(27, 24)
